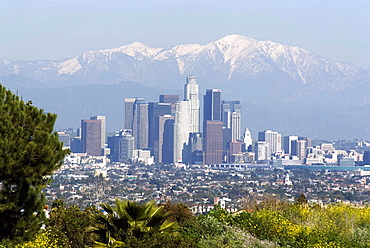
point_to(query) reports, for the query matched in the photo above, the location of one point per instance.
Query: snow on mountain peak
(230, 55)
(69, 67)
(235, 39)
(176, 51)
(137, 49)
(231, 47)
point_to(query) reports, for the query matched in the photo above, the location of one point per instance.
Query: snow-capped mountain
(240, 65)
(282, 87)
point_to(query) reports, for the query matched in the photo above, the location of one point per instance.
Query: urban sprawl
(162, 154)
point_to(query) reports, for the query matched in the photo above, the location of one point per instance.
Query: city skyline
(161, 133)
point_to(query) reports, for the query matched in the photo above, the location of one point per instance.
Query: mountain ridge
(264, 73)
(230, 54)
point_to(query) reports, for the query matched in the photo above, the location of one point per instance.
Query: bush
(43, 240)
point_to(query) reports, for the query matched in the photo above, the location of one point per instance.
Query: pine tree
(29, 152)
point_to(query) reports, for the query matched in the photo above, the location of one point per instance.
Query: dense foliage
(304, 225)
(270, 223)
(29, 152)
(69, 225)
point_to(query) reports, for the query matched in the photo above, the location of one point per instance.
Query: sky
(47, 29)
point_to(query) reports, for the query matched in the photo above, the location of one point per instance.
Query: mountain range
(298, 91)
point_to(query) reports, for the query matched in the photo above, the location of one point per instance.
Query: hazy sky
(51, 29)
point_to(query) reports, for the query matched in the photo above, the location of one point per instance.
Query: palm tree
(130, 219)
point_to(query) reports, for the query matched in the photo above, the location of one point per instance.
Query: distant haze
(43, 29)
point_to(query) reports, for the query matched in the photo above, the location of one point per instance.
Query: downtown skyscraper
(122, 146)
(191, 94)
(212, 145)
(212, 127)
(156, 110)
(186, 120)
(231, 118)
(272, 140)
(182, 128)
(140, 124)
(129, 112)
(103, 128)
(212, 105)
(91, 137)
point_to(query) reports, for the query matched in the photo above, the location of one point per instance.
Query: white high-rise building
(235, 127)
(191, 95)
(261, 151)
(272, 139)
(182, 128)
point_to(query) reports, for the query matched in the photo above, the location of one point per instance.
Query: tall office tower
(103, 128)
(288, 144)
(212, 143)
(169, 99)
(140, 128)
(182, 128)
(129, 112)
(212, 105)
(122, 146)
(91, 137)
(261, 151)
(191, 95)
(155, 110)
(236, 126)
(168, 141)
(272, 139)
(231, 118)
(247, 139)
(165, 139)
(299, 148)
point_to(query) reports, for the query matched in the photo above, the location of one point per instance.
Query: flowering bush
(43, 240)
(309, 226)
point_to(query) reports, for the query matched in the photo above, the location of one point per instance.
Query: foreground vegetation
(30, 151)
(269, 223)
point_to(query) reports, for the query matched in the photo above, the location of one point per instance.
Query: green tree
(70, 225)
(29, 152)
(180, 213)
(130, 219)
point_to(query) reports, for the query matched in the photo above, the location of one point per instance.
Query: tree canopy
(29, 152)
